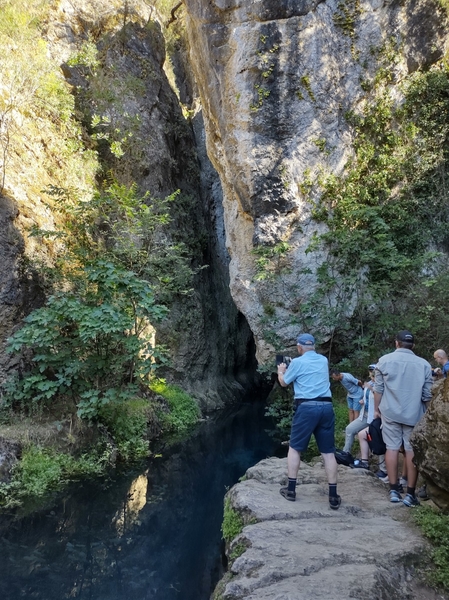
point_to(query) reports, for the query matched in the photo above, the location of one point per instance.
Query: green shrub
(127, 423)
(90, 344)
(183, 411)
(41, 471)
(280, 409)
(435, 526)
(232, 522)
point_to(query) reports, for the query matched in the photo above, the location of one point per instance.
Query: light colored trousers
(352, 430)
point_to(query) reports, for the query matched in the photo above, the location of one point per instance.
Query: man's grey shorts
(396, 434)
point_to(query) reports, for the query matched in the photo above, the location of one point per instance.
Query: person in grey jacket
(402, 386)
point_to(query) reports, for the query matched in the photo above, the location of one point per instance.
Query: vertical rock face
(211, 344)
(429, 442)
(276, 79)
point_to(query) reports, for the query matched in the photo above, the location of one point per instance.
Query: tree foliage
(94, 340)
(386, 221)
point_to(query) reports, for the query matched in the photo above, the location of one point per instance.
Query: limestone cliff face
(276, 79)
(213, 354)
(301, 550)
(429, 442)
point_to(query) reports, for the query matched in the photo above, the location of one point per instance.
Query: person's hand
(362, 401)
(376, 414)
(282, 368)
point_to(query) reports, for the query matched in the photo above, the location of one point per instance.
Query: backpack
(374, 437)
(344, 458)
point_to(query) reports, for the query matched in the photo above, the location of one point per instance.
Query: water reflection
(150, 535)
(136, 500)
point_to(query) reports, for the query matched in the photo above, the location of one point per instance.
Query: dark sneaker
(334, 502)
(411, 501)
(395, 496)
(383, 476)
(422, 493)
(288, 494)
(360, 464)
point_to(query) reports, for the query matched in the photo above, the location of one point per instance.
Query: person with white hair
(314, 414)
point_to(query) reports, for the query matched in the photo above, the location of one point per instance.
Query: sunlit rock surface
(368, 549)
(211, 344)
(276, 79)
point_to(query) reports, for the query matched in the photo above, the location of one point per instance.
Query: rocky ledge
(368, 549)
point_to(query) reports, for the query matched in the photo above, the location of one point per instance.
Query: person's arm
(427, 387)
(378, 390)
(377, 399)
(281, 371)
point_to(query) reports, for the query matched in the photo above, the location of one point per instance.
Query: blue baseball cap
(305, 339)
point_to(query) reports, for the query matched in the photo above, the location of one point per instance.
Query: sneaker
(383, 476)
(422, 493)
(403, 481)
(411, 501)
(360, 464)
(334, 502)
(288, 494)
(395, 496)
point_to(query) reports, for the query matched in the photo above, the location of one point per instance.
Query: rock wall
(368, 549)
(211, 345)
(429, 441)
(276, 79)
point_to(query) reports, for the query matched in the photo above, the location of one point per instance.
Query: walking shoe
(411, 501)
(335, 501)
(288, 494)
(395, 496)
(383, 476)
(422, 493)
(360, 464)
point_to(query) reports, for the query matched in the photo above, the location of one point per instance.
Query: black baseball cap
(405, 336)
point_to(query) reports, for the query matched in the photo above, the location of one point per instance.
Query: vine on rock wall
(385, 213)
(381, 248)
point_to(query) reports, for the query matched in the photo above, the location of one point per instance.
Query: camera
(283, 359)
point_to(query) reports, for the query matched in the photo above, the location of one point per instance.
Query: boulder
(430, 441)
(301, 550)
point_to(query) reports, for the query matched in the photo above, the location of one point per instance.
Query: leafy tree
(93, 341)
(93, 344)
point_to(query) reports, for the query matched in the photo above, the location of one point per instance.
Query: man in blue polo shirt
(314, 414)
(354, 387)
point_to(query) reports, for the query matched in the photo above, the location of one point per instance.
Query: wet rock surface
(369, 548)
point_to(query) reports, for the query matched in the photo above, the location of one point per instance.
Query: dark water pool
(152, 534)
